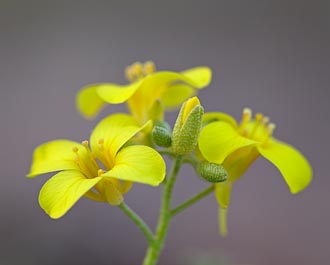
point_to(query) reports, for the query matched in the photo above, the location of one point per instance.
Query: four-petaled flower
(147, 94)
(223, 141)
(103, 171)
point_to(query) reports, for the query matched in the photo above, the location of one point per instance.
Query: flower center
(86, 160)
(258, 129)
(137, 70)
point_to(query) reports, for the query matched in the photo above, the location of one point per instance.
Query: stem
(155, 249)
(192, 200)
(138, 221)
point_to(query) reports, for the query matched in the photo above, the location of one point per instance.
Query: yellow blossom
(147, 88)
(237, 146)
(102, 169)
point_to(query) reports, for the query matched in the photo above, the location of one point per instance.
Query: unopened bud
(212, 172)
(187, 127)
(161, 134)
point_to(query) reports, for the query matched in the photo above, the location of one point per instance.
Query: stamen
(75, 149)
(85, 143)
(257, 121)
(246, 117)
(259, 117)
(265, 121)
(100, 172)
(247, 114)
(101, 143)
(129, 73)
(149, 67)
(270, 128)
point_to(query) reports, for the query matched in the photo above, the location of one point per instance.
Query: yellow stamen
(270, 128)
(75, 149)
(257, 121)
(246, 117)
(129, 74)
(106, 159)
(101, 143)
(265, 121)
(269, 132)
(90, 153)
(100, 172)
(149, 68)
(80, 162)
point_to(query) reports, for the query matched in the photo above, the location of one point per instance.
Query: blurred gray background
(272, 56)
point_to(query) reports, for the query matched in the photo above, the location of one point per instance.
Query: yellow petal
(223, 193)
(54, 156)
(199, 76)
(188, 107)
(294, 167)
(111, 192)
(175, 94)
(238, 162)
(219, 139)
(88, 102)
(115, 94)
(138, 164)
(223, 216)
(219, 116)
(63, 190)
(113, 132)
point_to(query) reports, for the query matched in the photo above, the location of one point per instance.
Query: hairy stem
(192, 200)
(139, 222)
(155, 249)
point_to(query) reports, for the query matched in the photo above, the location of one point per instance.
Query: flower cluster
(126, 148)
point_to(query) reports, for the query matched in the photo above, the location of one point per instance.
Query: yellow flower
(236, 147)
(146, 91)
(103, 171)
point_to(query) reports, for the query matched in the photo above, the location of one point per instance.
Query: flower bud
(161, 134)
(187, 127)
(212, 172)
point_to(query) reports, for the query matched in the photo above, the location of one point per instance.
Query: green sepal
(212, 172)
(161, 134)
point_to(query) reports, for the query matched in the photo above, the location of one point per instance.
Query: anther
(100, 172)
(149, 67)
(85, 143)
(137, 70)
(265, 120)
(247, 113)
(101, 142)
(271, 127)
(246, 117)
(75, 149)
(129, 73)
(258, 117)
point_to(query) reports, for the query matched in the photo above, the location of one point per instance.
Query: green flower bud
(161, 134)
(212, 172)
(187, 127)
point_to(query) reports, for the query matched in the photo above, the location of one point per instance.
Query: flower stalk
(155, 249)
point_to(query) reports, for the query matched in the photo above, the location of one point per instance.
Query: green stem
(155, 249)
(139, 222)
(192, 200)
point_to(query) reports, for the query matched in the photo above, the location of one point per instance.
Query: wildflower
(236, 147)
(147, 87)
(103, 170)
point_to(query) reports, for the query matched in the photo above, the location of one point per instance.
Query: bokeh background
(272, 56)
